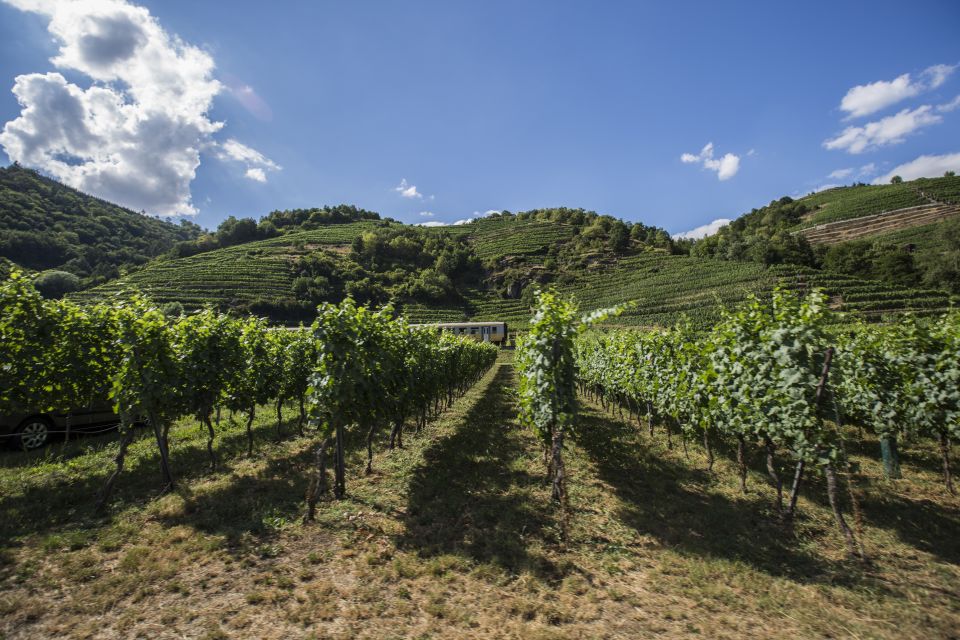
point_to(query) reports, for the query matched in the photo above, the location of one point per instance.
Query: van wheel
(33, 433)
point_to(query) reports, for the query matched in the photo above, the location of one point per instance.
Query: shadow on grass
(659, 500)
(247, 509)
(63, 501)
(469, 498)
(919, 522)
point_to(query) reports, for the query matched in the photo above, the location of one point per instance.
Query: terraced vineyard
(245, 273)
(494, 238)
(946, 189)
(877, 224)
(663, 286)
(844, 203)
(925, 238)
(868, 298)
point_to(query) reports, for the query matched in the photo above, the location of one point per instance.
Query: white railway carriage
(484, 331)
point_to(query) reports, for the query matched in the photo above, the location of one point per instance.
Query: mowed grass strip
(455, 536)
(712, 561)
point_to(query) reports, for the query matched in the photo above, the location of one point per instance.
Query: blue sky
(479, 106)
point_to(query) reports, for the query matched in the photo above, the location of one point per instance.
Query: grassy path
(455, 537)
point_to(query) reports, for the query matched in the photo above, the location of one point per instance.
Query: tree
(54, 284)
(896, 180)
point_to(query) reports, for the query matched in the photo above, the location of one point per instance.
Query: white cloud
(134, 136)
(923, 167)
(840, 174)
(426, 214)
(476, 215)
(256, 174)
(950, 106)
(257, 164)
(431, 223)
(824, 187)
(862, 172)
(865, 99)
(704, 230)
(938, 74)
(726, 167)
(407, 190)
(890, 130)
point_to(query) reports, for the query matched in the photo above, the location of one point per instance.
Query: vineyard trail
(455, 536)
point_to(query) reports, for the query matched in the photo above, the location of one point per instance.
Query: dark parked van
(33, 430)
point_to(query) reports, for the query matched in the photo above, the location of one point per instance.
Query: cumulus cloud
(726, 166)
(426, 214)
(865, 99)
(704, 230)
(887, 131)
(256, 163)
(407, 190)
(923, 167)
(134, 136)
(431, 223)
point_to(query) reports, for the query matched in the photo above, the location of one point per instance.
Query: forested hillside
(47, 225)
(776, 234)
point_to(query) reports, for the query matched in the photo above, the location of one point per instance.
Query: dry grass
(455, 536)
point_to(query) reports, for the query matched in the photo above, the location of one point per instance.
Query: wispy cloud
(426, 214)
(249, 99)
(726, 167)
(854, 172)
(950, 106)
(256, 163)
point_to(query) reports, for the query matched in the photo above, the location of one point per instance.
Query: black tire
(33, 433)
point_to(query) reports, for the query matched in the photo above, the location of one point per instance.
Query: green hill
(48, 225)
(285, 264)
(261, 277)
(792, 231)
